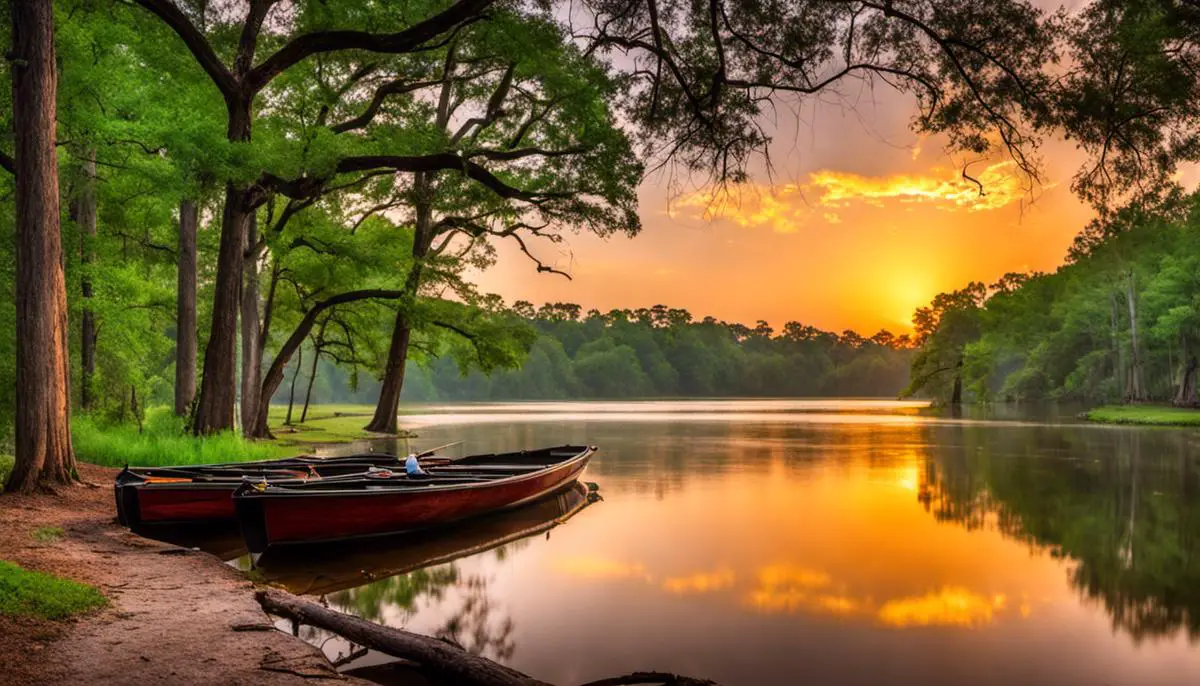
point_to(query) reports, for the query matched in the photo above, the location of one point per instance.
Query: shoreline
(1144, 415)
(174, 614)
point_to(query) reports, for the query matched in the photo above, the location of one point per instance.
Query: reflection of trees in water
(1120, 504)
(473, 620)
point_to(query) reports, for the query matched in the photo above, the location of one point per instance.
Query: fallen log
(443, 660)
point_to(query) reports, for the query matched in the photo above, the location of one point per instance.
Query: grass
(324, 424)
(47, 534)
(164, 441)
(1148, 415)
(32, 594)
(6, 464)
(119, 445)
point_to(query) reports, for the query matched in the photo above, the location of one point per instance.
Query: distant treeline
(1120, 321)
(662, 351)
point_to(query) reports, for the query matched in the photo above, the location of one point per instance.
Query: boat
(187, 494)
(383, 502)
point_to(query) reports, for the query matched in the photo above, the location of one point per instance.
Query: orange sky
(860, 222)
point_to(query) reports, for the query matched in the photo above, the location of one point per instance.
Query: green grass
(325, 424)
(1148, 415)
(32, 594)
(6, 464)
(47, 534)
(119, 445)
(163, 440)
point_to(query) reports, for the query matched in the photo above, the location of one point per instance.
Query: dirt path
(176, 616)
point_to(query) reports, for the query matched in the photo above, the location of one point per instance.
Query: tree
(44, 455)
(301, 34)
(543, 103)
(943, 330)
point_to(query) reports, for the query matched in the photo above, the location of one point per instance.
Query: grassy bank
(1146, 415)
(163, 440)
(32, 594)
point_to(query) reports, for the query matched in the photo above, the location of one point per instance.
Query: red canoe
(204, 493)
(282, 513)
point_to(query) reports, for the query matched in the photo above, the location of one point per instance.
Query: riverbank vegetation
(1149, 415)
(24, 593)
(1118, 322)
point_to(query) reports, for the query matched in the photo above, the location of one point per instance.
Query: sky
(859, 222)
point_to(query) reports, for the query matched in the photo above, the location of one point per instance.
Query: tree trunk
(445, 661)
(1136, 390)
(44, 455)
(185, 310)
(292, 390)
(956, 394)
(312, 376)
(392, 383)
(386, 409)
(218, 387)
(83, 212)
(1185, 392)
(251, 350)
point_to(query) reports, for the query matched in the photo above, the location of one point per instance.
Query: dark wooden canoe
(283, 513)
(204, 493)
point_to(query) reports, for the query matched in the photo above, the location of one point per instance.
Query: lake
(817, 542)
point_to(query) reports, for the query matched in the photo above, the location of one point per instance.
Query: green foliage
(6, 465)
(1119, 321)
(25, 593)
(662, 351)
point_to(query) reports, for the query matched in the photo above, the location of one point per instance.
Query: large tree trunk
(185, 310)
(218, 387)
(1136, 390)
(83, 212)
(392, 383)
(251, 349)
(388, 406)
(956, 393)
(44, 455)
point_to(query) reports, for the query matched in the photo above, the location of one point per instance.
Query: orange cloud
(703, 582)
(785, 208)
(951, 606)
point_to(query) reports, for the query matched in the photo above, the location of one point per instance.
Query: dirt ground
(175, 615)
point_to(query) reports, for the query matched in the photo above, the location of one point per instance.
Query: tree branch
(411, 39)
(195, 42)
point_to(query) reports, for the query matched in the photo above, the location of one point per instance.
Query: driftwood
(441, 660)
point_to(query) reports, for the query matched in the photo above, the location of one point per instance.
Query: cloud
(950, 606)
(786, 208)
(702, 582)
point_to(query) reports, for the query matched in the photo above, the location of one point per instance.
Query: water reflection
(842, 547)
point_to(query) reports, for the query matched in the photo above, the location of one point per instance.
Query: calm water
(817, 542)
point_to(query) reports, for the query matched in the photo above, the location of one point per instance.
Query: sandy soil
(176, 615)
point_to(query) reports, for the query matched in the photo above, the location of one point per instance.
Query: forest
(1118, 322)
(207, 198)
(650, 352)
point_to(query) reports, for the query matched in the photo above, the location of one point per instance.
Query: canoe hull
(271, 519)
